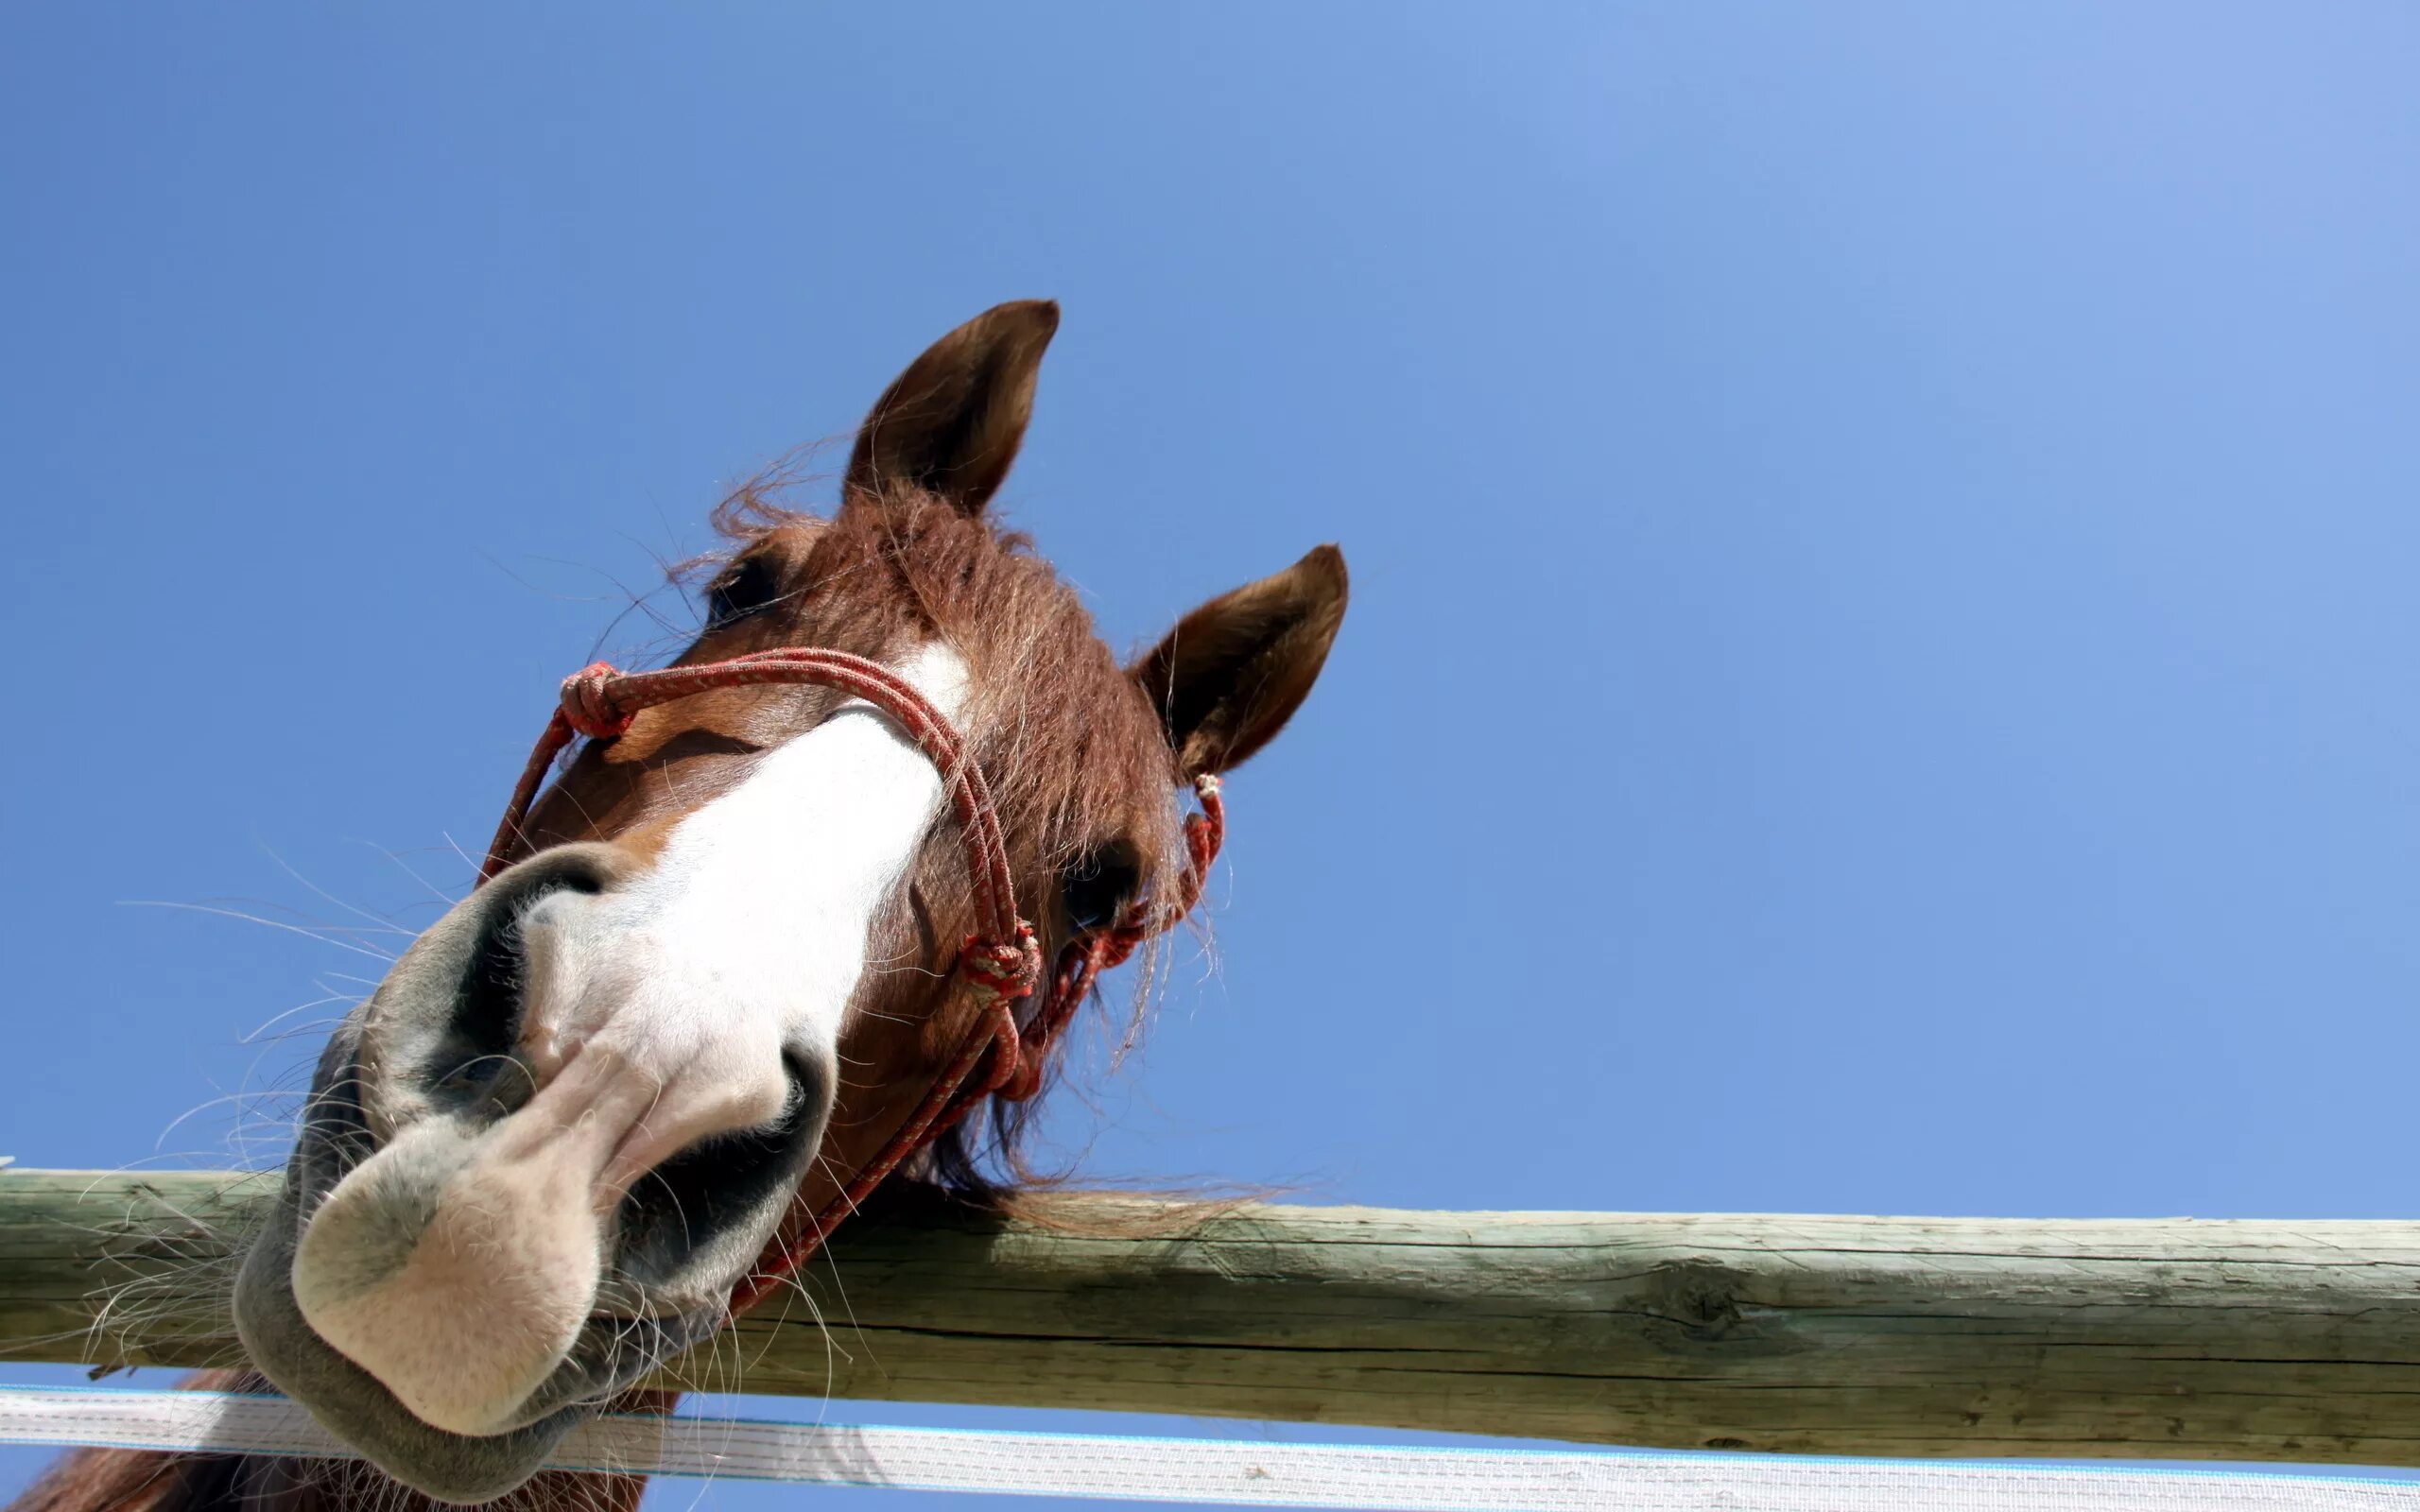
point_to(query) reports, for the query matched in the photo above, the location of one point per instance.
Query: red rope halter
(1000, 963)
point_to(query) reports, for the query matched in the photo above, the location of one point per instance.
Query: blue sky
(1880, 670)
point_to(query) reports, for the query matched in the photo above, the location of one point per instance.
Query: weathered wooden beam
(1906, 1336)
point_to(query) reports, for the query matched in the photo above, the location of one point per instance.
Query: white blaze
(749, 932)
(656, 1014)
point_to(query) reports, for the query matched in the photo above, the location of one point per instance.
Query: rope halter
(999, 965)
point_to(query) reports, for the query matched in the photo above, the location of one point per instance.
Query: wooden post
(1901, 1336)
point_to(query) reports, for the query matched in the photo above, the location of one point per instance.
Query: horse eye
(744, 588)
(1098, 887)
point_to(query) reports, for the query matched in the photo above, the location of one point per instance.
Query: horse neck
(134, 1480)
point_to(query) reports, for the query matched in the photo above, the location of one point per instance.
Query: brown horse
(717, 978)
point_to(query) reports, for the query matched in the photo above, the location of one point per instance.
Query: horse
(777, 927)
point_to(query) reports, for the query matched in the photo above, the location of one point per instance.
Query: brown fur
(1082, 758)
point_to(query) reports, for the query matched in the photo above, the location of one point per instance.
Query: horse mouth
(446, 1281)
(618, 1344)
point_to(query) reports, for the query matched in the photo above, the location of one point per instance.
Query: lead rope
(1000, 964)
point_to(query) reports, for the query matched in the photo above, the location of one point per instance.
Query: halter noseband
(1000, 964)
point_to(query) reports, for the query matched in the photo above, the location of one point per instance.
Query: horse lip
(361, 1411)
(605, 1332)
(356, 1406)
(608, 1356)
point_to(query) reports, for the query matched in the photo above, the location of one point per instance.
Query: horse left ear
(951, 425)
(1233, 671)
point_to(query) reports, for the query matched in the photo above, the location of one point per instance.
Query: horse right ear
(1233, 671)
(951, 425)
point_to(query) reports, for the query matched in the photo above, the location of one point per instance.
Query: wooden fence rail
(1903, 1336)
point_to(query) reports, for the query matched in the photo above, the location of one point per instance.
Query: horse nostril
(477, 1057)
(467, 1063)
(697, 1217)
(490, 1004)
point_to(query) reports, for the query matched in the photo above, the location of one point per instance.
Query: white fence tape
(1237, 1472)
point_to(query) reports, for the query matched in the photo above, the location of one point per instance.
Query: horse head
(716, 973)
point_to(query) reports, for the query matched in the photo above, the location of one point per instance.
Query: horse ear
(951, 425)
(1233, 671)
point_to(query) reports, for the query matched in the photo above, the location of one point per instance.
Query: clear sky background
(1880, 677)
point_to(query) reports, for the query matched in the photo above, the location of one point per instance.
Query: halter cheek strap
(999, 964)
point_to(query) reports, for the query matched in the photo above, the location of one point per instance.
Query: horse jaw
(459, 1264)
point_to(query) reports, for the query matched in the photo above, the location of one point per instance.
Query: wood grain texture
(1900, 1336)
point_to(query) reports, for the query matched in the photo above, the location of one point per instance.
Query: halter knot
(588, 703)
(1003, 969)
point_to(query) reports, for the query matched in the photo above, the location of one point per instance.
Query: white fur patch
(749, 932)
(656, 1014)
